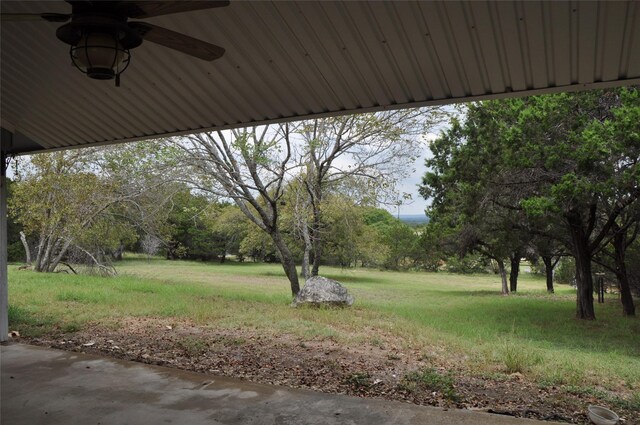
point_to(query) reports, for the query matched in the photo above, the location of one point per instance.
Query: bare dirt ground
(378, 371)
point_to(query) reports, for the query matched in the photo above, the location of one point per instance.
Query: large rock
(319, 291)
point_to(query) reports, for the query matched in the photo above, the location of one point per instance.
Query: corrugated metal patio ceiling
(289, 60)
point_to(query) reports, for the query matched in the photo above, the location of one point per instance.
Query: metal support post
(4, 281)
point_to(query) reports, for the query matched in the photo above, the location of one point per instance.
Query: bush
(429, 380)
(15, 252)
(469, 264)
(359, 380)
(565, 271)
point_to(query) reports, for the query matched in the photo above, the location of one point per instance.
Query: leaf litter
(322, 364)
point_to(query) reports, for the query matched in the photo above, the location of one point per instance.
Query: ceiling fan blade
(147, 9)
(177, 41)
(22, 17)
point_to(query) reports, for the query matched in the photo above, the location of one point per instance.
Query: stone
(318, 291)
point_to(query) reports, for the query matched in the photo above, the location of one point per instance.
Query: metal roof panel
(299, 59)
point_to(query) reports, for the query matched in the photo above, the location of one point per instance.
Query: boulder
(318, 291)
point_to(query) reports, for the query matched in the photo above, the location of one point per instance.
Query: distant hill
(414, 219)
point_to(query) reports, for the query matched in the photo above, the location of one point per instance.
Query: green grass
(461, 319)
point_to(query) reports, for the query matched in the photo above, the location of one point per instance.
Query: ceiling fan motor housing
(99, 43)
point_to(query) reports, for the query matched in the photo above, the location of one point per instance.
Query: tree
(230, 227)
(188, 232)
(400, 241)
(378, 149)
(150, 245)
(73, 202)
(550, 251)
(58, 200)
(346, 237)
(583, 150)
(458, 182)
(613, 258)
(567, 161)
(250, 167)
(254, 167)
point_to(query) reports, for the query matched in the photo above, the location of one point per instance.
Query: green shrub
(359, 380)
(565, 271)
(193, 346)
(15, 252)
(430, 380)
(469, 264)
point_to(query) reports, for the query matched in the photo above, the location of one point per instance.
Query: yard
(430, 338)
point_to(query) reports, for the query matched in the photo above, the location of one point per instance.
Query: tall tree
(458, 179)
(255, 167)
(251, 167)
(370, 151)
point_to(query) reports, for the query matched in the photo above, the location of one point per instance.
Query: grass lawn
(461, 321)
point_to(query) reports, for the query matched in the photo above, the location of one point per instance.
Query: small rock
(168, 327)
(89, 344)
(145, 356)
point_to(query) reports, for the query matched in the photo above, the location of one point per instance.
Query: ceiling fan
(101, 35)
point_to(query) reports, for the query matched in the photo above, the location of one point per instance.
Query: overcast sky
(410, 185)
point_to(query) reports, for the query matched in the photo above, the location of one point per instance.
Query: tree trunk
(316, 235)
(503, 276)
(288, 264)
(584, 278)
(628, 308)
(41, 244)
(45, 260)
(60, 255)
(306, 256)
(317, 252)
(515, 270)
(117, 254)
(27, 251)
(584, 281)
(548, 269)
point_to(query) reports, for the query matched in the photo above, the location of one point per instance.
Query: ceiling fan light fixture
(100, 55)
(101, 35)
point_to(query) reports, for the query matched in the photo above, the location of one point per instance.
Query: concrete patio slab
(47, 386)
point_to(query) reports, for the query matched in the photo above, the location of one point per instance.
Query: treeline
(553, 179)
(85, 208)
(304, 194)
(544, 177)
